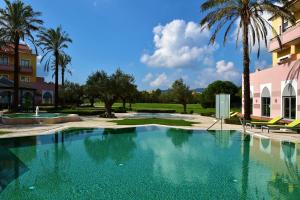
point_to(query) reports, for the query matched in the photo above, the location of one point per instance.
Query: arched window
(265, 102)
(47, 98)
(289, 102)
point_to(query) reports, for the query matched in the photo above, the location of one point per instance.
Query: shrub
(233, 120)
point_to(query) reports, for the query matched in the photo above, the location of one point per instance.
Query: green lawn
(171, 122)
(99, 108)
(196, 108)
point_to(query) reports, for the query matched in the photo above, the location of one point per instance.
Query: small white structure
(222, 106)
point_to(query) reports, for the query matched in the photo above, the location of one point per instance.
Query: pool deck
(95, 122)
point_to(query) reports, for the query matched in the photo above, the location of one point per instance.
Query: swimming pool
(148, 163)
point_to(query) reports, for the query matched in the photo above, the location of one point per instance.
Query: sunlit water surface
(148, 163)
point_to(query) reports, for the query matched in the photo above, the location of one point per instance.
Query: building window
(289, 102)
(3, 60)
(25, 63)
(265, 102)
(25, 79)
(47, 98)
(285, 25)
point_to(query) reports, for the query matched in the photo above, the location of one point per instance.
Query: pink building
(275, 91)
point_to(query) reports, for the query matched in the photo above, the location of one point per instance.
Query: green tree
(73, 93)
(249, 15)
(90, 91)
(208, 97)
(126, 87)
(181, 93)
(106, 89)
(18, 22)
(53, 43)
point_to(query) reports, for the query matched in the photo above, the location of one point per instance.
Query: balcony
(10, 68)
(289, 35)
(27, 69)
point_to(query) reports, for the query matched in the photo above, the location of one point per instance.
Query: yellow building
(289, 36)
(33, 90)
(27, 64)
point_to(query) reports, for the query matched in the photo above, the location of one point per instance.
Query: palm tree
(249, 16)
(53, 42)
(64, 61)
(18, 21)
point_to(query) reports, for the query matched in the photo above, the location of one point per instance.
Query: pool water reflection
(148, 163)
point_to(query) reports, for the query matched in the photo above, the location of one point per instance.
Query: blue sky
(157, 41)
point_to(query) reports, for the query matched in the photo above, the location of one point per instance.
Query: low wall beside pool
(23, 119)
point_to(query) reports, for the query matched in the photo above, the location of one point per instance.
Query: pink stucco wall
(275, 78)
(40, 85)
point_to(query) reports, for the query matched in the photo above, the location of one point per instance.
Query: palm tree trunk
(63, 85)
(246, 63)
(16, 74)
(56, 79)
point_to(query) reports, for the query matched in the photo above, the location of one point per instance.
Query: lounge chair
(271, 122)
(291, 126)
(233, 114)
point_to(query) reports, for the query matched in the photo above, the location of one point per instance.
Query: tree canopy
(219, 87)
(181, 93)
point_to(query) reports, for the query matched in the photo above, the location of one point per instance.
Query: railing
(290, 34)
(10, 68)
(283, 31)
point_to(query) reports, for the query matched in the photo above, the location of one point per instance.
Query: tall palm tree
(249, 16)
(18, 22)
(64, 62)
(53, 42)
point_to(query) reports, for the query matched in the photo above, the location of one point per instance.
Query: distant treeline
(120, 87)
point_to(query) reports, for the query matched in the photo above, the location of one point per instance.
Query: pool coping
(65, 127)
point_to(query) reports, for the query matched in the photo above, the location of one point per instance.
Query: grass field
(171, 122)
(99, 108)
(196, 108)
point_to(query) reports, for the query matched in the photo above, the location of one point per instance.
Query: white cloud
(38, 59)
(160, 80)
(222, 71)
(147, 78)
(180, 44)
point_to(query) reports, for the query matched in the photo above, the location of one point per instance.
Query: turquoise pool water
(32, 115)
(148, 163)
